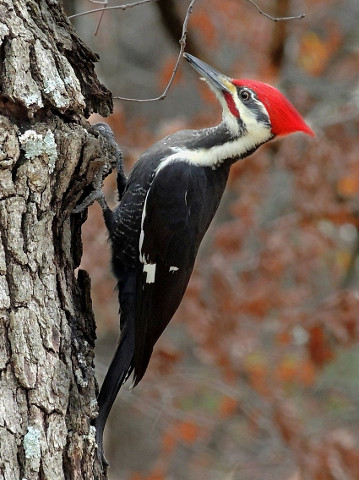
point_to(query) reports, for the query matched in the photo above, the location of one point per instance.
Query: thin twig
(182, 43)
(105, 3)
(117, 7)
(99, 2)
(275, 19)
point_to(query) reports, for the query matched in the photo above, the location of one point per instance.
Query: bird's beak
(216, 80)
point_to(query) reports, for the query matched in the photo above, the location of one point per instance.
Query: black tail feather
(119, 370)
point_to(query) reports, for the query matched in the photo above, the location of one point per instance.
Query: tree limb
(116, 7)
(275, 19)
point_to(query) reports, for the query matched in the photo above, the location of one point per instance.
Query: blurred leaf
(284, 338)
(169, 442)
(319, 347)
(292, 369)
(188, 431)
(348, 186)
(155, 475)
(228, 406)
(315, 52)
(258, 373)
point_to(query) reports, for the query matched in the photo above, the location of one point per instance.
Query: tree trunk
(47, 160)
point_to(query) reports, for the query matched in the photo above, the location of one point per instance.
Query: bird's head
(251, 108)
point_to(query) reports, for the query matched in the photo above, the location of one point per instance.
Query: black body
(180, 202)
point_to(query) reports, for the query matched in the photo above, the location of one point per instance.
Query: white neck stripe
(214, 156)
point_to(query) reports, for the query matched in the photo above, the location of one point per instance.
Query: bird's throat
(211, 147)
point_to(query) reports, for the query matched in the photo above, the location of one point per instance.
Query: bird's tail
(119, 370)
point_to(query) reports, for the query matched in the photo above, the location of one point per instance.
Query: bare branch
(99, 2)
(275, 19)
(105, 4)
(117, 7)
(182, 43)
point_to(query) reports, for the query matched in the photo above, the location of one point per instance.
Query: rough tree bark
(48, 156)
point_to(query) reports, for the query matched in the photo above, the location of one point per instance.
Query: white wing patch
(173, 269)
(150, 269)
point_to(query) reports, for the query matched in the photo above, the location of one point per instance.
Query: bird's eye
(245, 95)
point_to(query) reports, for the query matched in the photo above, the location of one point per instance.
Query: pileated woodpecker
(165, 208)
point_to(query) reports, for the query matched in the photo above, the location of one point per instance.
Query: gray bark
(48, 157)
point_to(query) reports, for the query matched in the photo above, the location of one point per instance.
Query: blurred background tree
(257, 376)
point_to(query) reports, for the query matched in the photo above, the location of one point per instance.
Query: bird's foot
(96, 194)
(106, 132)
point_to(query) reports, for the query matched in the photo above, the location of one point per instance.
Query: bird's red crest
(285, 119)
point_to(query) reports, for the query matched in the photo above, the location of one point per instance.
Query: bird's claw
(96, 194)
(108, 134)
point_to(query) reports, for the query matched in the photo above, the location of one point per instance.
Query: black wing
(179, 207)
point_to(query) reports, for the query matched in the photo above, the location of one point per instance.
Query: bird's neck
(214, 146)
